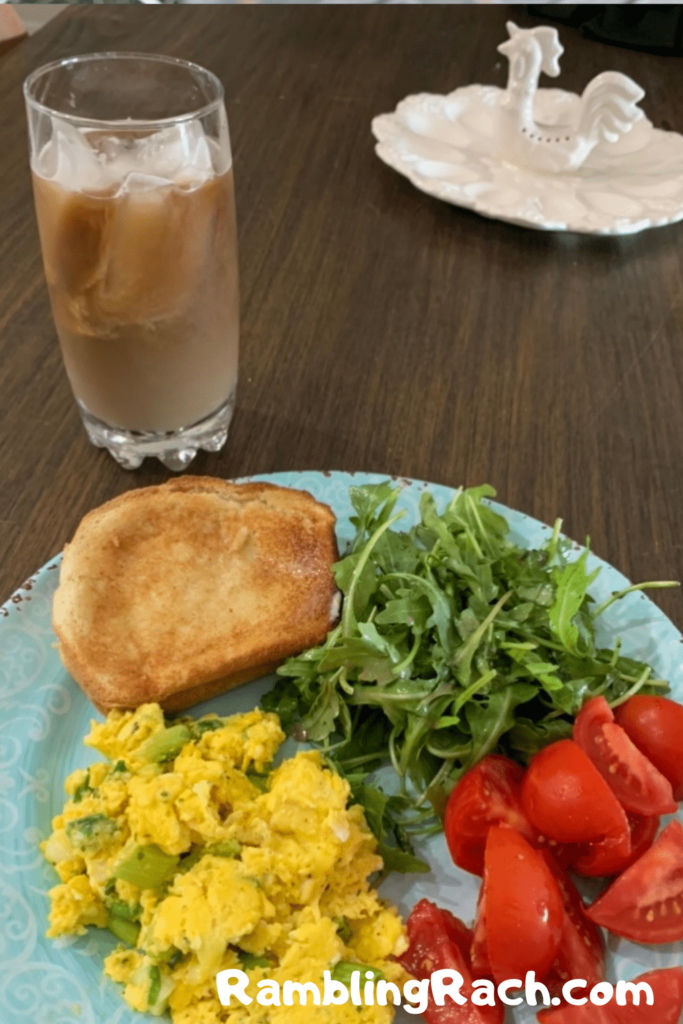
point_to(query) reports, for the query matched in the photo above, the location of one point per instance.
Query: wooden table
(382, 330)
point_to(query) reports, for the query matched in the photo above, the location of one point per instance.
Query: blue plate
(44, 717)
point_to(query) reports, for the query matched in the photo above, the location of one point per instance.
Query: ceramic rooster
(606, 109)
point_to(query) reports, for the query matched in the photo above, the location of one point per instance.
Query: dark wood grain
(381, 329)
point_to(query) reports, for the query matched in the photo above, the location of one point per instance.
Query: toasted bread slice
(178, 592)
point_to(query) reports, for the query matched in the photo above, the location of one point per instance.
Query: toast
(178, 592)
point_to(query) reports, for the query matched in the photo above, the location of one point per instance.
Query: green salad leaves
(453, 642)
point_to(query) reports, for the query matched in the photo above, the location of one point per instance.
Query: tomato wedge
(655, 725)
(610, 857)
(645, 903)
(434, 937)
(581, 952)
(489, 794)
(567, 799)
(667, 999)
(524, 912)
(667, 994)
(633, 779)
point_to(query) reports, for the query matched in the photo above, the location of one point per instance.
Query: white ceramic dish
(447, 147)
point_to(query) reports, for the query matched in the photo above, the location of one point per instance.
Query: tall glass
(133, 185)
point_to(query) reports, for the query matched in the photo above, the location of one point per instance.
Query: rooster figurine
(606, 109)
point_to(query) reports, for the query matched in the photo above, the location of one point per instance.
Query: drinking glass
(133, 185)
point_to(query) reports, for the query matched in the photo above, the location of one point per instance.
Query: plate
(44, 717)
(447, 147)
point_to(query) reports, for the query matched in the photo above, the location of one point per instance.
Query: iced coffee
(138, 235)
(141, 269)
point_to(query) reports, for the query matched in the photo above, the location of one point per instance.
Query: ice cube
(200, 153)
(70, 160)
(137, 182)
(180, 152)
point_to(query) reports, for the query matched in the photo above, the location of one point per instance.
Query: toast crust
(178, 592)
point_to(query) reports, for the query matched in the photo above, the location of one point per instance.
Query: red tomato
(581, 952)
(431, 948)
(489, 794)
(645, 903)
(667, 994)
(655, 725)
(567, 799)
(524, 913)
(667, 999)
(634, 780)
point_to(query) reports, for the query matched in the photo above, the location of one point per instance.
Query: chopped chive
(187, 863)
(230, 848)
(344, 970)
(125, 911)
(83, 788)
(165, 745)
(207, 725)
(146, 867)
(126, 931)
(171, 957)
(258, 779)
(90, 833)
(154, 985)
(343, 930)
(250, 962)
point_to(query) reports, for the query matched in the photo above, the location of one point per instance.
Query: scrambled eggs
(191, 850)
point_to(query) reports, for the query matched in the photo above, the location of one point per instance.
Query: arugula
(453, 642)
(566, 620)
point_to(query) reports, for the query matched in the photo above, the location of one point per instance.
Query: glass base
(175, 449)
